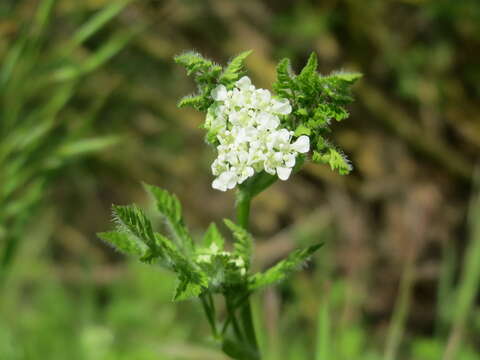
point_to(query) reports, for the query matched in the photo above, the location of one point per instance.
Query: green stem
(233, 319)
(243, 212)
(243, 208)
(209, 309)
(249, 329)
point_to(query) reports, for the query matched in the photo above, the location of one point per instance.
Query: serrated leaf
(192, 280)
(234, 69)
(283, 86)
(283, 269)
(132, 219)
(243, 242)
(196, 101)
(193, 62)
(171, 209)
(347, 76)
(206, 74)
(187, 290)
(310, 68)
(335, 159)
(302, 130)
(124, 242)
(213, 236)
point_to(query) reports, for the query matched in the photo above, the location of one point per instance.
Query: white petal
(219, 185)
(282, 106)
(289, 160)
(283, 173)
(204, 258)
(267, 121)
(219, 93)
(302, 144)
(244, 83)
(283, 135)
(268, 168)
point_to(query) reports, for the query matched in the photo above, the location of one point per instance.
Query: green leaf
(213, 236)
(335, 159)
(243, 242)
(284, 85)
(195, 101)
(187, 290)
(310, 68)
(194, 62)
(171, 209)
(283, 269)
(206, 74)
(347, 76)
(192, 280)
(132, 219)
(234, 69)
(307, 80)
(302, 130)
(124, 242)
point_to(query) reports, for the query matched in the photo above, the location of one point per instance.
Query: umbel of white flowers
(246, 121)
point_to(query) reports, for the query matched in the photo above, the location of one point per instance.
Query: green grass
(39, 137)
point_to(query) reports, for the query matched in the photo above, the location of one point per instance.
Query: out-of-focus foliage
(398, 219)
(39, 78)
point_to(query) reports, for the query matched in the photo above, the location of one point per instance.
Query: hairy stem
(243, 212)
(243, 208)
(209, 308)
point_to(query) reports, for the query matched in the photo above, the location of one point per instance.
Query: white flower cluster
(213, 250)
(246, 121)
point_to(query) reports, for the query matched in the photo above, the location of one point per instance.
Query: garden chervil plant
(259, 137)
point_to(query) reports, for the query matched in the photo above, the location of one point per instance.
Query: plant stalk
(243, 202)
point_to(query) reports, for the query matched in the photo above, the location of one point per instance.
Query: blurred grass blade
(445, 288)
(470, 278)
(97, 22)
(42, 16)
(323, 332)
(94, 61)
(402, 307)
(11, 59)
(34, 130)
(85, 146)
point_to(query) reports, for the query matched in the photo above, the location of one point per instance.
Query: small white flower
(213, 248)
(239, 262)
(247, 122)
(283, 172)
(204, 258)
(244, 83)
(219, 93)
(281, 106)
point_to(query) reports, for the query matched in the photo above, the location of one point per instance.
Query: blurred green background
(88, 93)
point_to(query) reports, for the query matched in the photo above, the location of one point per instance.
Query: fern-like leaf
(243, 246)
(124, 242)
(213, 236)
(335, 159)
(132, 219)
(283, 269)
(284, 85)
(234, 69)
(171, 209)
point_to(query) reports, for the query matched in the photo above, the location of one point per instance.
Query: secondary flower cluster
(207, 257)
(246, 122)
